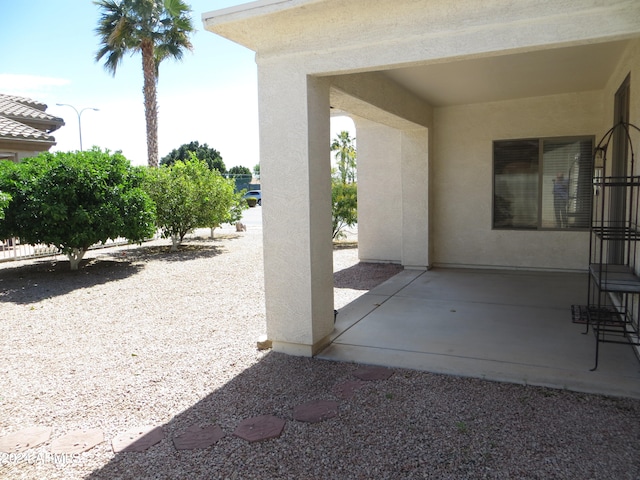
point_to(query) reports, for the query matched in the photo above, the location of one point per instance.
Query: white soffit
(504, 77)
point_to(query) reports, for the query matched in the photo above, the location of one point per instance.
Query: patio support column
(416, 207)
(295, 172)
(379, 192)
(393, 194)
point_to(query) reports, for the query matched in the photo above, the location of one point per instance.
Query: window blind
(542, 183)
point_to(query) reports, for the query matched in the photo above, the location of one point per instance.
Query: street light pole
(79, 113)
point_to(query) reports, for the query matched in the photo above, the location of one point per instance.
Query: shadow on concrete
(365, 276)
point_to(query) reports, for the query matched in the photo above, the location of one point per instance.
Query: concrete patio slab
(497, 325)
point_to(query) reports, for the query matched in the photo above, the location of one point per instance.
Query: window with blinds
(542, 183)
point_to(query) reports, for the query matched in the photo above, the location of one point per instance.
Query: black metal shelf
(613, 302)
(619, 181)
(613, 232)
(613, 325)
(614, 278)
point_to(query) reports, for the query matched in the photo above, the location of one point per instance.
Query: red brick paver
(346, 390)
(260, 428)
(196, 437)
(77, 441)
(24, 439)
(137, 439)
(315, 411)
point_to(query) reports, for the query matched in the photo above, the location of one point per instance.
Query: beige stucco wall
(10, 149)
(295, 172)
(25, 154)
(393, 194)
(629, 65)
(380, 192)
(462, 181)
(393, 167)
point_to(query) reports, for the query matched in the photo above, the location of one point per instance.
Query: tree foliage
(241, 176)
(4, 202)
(73, 200)
(158, 29)
(344, 200)
(344, 190)
(189, 195)
(203, 152)
(344, 150)
(239, 170)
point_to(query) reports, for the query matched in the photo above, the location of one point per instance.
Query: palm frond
(158, 29)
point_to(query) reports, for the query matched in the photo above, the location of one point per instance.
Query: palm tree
(345, 156)
(156, 28)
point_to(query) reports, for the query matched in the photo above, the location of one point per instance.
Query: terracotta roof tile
(12, 130)
(25, 120)
(26, 101)
(9, 108)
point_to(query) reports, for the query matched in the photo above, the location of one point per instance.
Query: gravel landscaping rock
(142, 337)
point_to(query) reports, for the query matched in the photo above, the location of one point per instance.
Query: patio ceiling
(509, 76)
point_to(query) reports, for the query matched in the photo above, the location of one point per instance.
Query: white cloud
(32, 86)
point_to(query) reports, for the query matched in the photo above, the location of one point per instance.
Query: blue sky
(210, 96)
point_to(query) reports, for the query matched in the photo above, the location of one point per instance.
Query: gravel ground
(140, 336)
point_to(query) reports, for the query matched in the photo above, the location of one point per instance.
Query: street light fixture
(79, 113)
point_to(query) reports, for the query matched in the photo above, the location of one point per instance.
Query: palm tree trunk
(150, 101)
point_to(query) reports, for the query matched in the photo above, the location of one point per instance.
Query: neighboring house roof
(10, 129)
(29, 112)
(24, 100)
(25, 125)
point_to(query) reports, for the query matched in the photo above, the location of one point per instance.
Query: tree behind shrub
(205, 153)
(73, 200)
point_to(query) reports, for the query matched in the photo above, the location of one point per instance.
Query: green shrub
(252, 201)
(344, 198)
(72, 200)
(189, 195)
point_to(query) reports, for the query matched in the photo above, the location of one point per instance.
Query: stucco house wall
(461, 177)
(379, 173)
(462, 181)
(629, 65)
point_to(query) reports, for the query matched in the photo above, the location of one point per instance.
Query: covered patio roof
(510, 76)
(438, 64)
